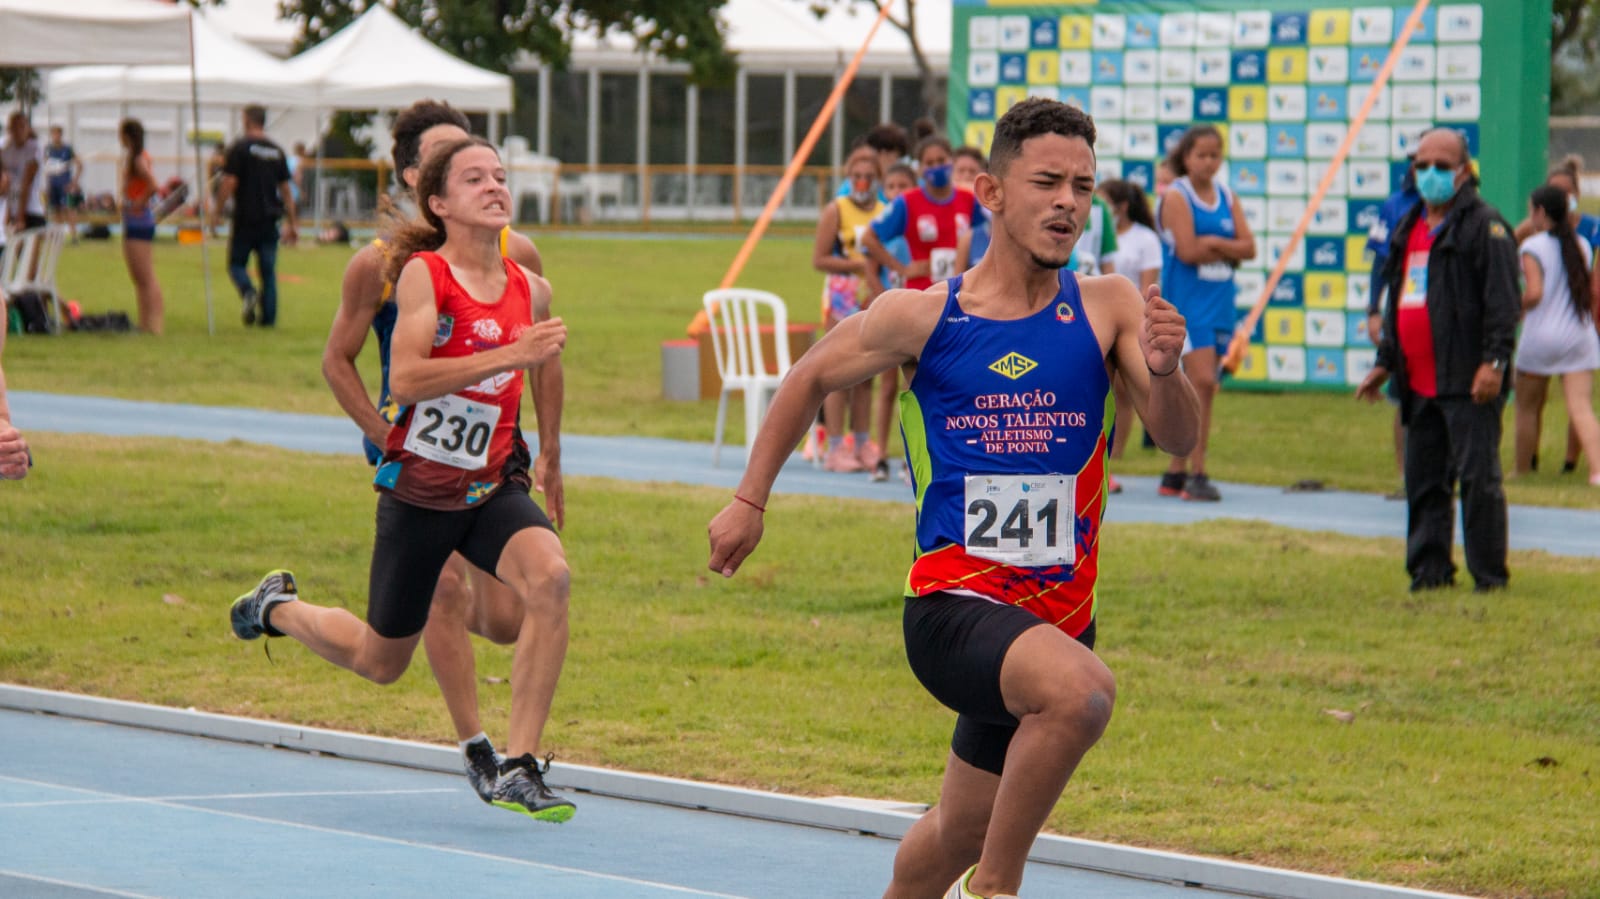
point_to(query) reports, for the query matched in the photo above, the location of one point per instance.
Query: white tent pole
(199, 178)
(317, 205)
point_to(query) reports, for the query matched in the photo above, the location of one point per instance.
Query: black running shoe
(249, 612)
(1198, 489)
(1171, 484)
(880, 472)
(248, 301)
(521, 789)
(483, 767)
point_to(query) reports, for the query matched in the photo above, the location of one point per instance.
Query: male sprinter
(462, 603)
(1007, 426)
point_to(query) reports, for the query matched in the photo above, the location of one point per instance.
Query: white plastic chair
(737, 317)
(29, 264)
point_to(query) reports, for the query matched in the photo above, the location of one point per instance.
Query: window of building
(619, 118)
(569, 117)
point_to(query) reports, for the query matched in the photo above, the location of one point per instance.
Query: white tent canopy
(379, 62)
(52, 32)
(230, 73)
(773, 35)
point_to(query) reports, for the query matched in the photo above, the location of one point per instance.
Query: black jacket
(1473, 297)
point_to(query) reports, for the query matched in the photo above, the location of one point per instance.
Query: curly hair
(410, 236)
(414, 121)
(1033, 117)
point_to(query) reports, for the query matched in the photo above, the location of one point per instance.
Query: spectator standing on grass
(1448, 335)
(62, 169)
(255, 176)
(1394, 208)
(1568, 177)
(850, 281)
(137, 197)
(1205, 237)
(896, 181)
(23, 160)
(931, 218)
(1558, 328)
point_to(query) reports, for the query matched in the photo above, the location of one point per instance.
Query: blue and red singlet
(1007, 426)
(453, 451)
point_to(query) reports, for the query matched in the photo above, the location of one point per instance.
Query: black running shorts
(956, 645)
(413, 544)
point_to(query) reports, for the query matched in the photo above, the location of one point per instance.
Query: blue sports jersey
(1589, 229)
(1007, 426)
(1204, 294)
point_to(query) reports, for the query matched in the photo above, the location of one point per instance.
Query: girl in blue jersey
(1204, 238)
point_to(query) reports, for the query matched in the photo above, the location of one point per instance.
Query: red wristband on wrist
(752, 505)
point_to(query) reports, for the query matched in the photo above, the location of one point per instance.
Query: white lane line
(392, 841)
(104, 891)
(51, 803)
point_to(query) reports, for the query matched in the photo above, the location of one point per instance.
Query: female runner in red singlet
(454, 475)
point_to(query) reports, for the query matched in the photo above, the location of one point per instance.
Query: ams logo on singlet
(1013, 365)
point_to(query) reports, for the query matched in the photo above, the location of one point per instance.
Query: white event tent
(51, 33)
(229, 71)
(379, 62)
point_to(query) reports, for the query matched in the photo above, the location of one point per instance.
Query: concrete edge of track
(839, 813)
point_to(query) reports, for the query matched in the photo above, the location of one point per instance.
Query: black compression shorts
(413, 544)
(956, 645)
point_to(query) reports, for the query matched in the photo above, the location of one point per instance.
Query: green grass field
(1468, 764)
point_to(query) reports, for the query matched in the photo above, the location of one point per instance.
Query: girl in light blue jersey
(1204, 238)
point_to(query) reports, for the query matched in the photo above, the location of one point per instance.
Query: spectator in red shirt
(1448, 335)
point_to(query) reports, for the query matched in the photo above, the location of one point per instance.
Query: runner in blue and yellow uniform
(1007, 425)
(462, 602)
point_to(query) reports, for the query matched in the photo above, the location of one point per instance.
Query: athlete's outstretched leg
(1062, 694)
(450, 649)
(948, 838)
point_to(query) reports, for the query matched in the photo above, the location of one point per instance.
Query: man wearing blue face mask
(1448, 335)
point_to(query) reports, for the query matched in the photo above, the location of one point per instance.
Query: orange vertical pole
(1241, 336)
(700, 322)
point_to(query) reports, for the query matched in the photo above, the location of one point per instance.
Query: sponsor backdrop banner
(1281, 80)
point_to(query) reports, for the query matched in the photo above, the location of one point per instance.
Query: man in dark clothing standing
(256, 177)
(1448, 334)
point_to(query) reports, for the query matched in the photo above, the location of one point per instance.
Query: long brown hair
(133, 132)
(1553, 200)
(426, 232)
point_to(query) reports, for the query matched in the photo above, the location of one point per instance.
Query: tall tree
(494, 33)
(933, 92)
(1574, 53)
